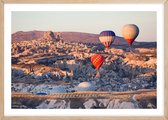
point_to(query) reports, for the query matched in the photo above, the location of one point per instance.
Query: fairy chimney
(59, 37)
(49, 36)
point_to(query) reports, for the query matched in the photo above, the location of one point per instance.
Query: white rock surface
(58, 89)
(117, 104)
(103, 102)
(90, 104)
(54, 104)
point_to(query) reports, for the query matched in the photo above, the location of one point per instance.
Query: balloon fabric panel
(107, 38)
(130, 32)
(97, 60)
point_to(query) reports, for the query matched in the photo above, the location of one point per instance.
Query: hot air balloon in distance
(97, 60)
(107, 38)
(130, 32)
(85, 86)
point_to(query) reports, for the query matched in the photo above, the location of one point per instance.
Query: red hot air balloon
(97, 60)
(107, 38)
(130, 32)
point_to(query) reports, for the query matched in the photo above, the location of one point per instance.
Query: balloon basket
(97, 74)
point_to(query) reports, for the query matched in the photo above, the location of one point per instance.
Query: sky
(86, 21)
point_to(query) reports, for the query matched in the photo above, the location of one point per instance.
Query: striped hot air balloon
(97, 60)
(107, 38)
(130, 32)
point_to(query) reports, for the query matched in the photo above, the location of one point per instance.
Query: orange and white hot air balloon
(97, 60)
(130, 32)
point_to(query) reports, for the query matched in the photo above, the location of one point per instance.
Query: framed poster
(83, 60)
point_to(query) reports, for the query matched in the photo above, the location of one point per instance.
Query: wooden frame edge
(82, 1)
(1, 59)
(86, 118)
(165, 59)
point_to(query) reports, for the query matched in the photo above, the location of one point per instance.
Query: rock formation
(67, 64)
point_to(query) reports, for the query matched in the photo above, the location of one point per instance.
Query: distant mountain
(80, 37)
(74, 37)
(30, 35)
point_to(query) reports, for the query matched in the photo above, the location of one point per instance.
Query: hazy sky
(88, 22)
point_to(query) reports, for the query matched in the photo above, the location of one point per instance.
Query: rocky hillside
(47, 65)
(20, 35)
(73, 37)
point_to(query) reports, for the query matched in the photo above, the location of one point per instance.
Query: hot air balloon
(97, 60)
(107, 38)
(130, 32)
(85, 86)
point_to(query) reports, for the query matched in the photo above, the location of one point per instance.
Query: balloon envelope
(107, 38)
(130, 32)
(97, 60)
(85, 86)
